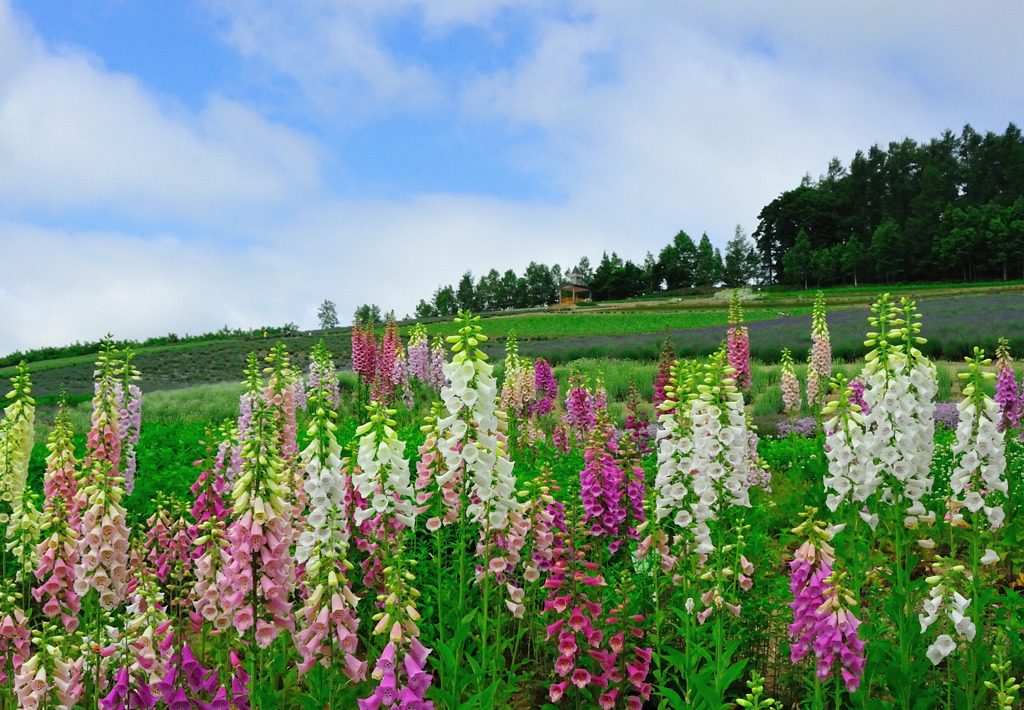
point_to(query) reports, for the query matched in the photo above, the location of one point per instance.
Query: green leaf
(675, 700)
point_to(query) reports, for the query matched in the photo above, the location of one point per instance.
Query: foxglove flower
(55, 573)
(737, 341)
(261, 570)
(328, 619)
(16, 439)
(364, 352)
(790, 385)
(384, 481)
(546, 387)
(129, 402)
(602, 484)
(978, 481)
(822, 618)
(819, 359)
(1008, 395)
(418, 350)
(60, 480)
(666, 359)
(899, 427)
(580, 406)
(473, 446)
(943, 597)
(52, 676)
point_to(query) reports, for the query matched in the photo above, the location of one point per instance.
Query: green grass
(955, 319)
(201, 403)
(621, 322)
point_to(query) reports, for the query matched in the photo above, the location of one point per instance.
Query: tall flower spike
(822, 616)
(899, 427)
(602, 483)
(819, 359)
(1007, 390)
(23, 533)
(438, 378)
(947, 578)
(211, 590)
(364, 352)
(520, 386)
(474, 447)
(579, 417)
(55, 573)
(328, 621)
(638, 422)
(261, 569)
(441, 503)
(383, 389)
(848, 479)
(790, 385)
(129, 421)
(60, 479)
(384, 481)
(675, 447)
(738, 343)
(666, 359)
(104, 537)
(16, 438)
(104, 542)
(545, 386)
(418, 350)
(720, 458)
(103, 443)
(978, 481)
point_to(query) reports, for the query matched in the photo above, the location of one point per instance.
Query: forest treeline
(682, 263)
(951, 209)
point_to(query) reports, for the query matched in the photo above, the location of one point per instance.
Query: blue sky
(181, 166)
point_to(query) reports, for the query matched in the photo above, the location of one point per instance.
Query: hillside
(954, 321)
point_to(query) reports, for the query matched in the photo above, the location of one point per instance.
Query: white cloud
(73, 135)
(646, 117)
(63, 286)
(331, 51)
(667, 115)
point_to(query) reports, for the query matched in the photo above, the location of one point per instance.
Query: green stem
(976, 612)
(902, 594)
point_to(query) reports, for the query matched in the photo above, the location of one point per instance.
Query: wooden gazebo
(573, 289)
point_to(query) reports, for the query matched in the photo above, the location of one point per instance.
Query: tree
(506, 294)
(466, 293)
(328, 315)
(445, 302)
(425, 310)
(705, 273)
(649, 268)
(852, 259)
(887, 250)
(676, 265)
(369, 313)
(541, 287)
(796, 262)
(584, 269)
(740, 265)
(487, 291)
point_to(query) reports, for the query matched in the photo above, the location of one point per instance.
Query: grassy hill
(955, 319)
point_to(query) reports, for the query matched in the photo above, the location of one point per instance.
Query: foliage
(951, 209)
(327, 315)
